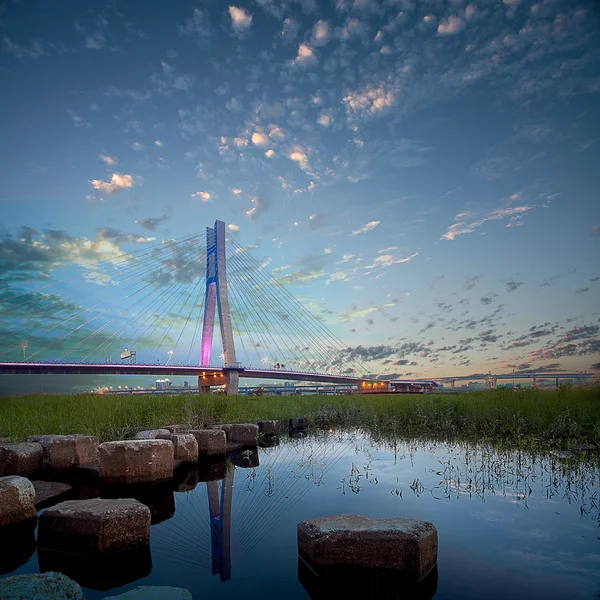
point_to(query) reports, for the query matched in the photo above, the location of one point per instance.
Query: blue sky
(422, 175)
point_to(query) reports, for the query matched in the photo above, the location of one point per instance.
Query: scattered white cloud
(108, 160)
(321, 33)
(118, 183)
(270, 153)
(514, 215)
(328, 251)
(34, 50)
(258, 207)
(78, 121)
(451, 26)
(137, 146)
(236, 191)
(241, 19)
(387, 260)
(203, 196)
(298, 154)
(306, 55)
(260, 139)
(325, 119)
(158, 144)
(280, 269)
(368, 227)
(370, 100)
(233, 227)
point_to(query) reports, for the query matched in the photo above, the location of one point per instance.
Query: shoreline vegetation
(540, 420)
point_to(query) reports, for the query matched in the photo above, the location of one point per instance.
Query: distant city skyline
(423, 176)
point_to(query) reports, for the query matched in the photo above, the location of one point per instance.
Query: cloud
(137, 146)
(259, 206)
(108, 160)
(236, 191)
(35, 49)
(387, 260)
(158, 144)
(370, 100)
(306, 55)
(78, 121)
(451, 26)
(325, 119)
(118, 183)
(368, 227)
(233, 227)
(241, 19)
(512, 285)
(203, 196)
(515, 215)
(260, 139)
(152, 223)
(298, 154)
(471, 282)
(196, 25)
(321, 33)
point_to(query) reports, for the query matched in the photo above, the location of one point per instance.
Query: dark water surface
(509, 524)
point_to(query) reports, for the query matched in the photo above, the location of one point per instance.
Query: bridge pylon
(217, 298)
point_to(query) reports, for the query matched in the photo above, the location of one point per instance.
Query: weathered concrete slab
(404, 545)
(154, 592)
(96, 526)
(175, 428)
(269, 427)
(17, 545)
(298, 423)
(48, 493)
(185, 446)
(242, 433)
(45, 586)
(150, 434)
(211, 442)
(136, 461)
(17, 500)
(20, 459)
(102, 572)
(64, 452)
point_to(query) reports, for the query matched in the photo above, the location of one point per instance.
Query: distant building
(163, 384)
(185, 385)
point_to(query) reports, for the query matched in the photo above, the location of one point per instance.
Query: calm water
(509, 525)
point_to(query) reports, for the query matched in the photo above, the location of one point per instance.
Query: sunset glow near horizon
(423, 176)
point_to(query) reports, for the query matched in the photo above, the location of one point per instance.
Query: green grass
(542, 418)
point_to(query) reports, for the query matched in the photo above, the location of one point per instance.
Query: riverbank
(559, 418)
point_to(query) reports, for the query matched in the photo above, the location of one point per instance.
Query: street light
(171, 352)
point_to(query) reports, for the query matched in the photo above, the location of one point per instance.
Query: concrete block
(17, 500)
(64, 452)
(269, 427)
(96, 526)
(40, 586)
(158, 497)
(150, 434)
(403, 545)
(211, 442)
(154, 592)
(176, 428)
(242, 433)
(298, 423)
(136, 461)
(185, 446)
(48, 493)
(20, 459)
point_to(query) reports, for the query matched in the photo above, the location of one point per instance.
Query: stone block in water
(150, 434)
(50, 492)
(136, 461)
(244, 459)
(269, 427)
(40, 586)
(212, 470)
(185, 446)
(241, 433)
(17, 545)
(407, 546)
(298, 423)
(158, 497)
(91, 527)
(211, 442)
(17, 500)
(154, 592)
(101, 572)
(20, 459)
(65, 452)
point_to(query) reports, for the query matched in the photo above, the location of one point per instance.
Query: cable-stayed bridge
(156, 311)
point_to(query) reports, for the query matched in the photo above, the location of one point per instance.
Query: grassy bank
(558, 418)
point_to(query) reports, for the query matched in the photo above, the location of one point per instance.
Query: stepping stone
(298, 423)
(211, 442)
(241, 433)
(158, 497)
(212, 470)
(407, 546)
(17, 500)
(20, 459)
(150, 434)
(176, 428)
(49, 492)
(92, 527)
(136, 461)
(269, 441)
(153, 592)
(185, 446)
(269, 427)
(45, 586)
(245, 459)
(65, 452)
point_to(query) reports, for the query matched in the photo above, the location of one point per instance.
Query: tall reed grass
(560, 418)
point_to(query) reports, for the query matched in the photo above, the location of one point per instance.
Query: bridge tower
(217, 298)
